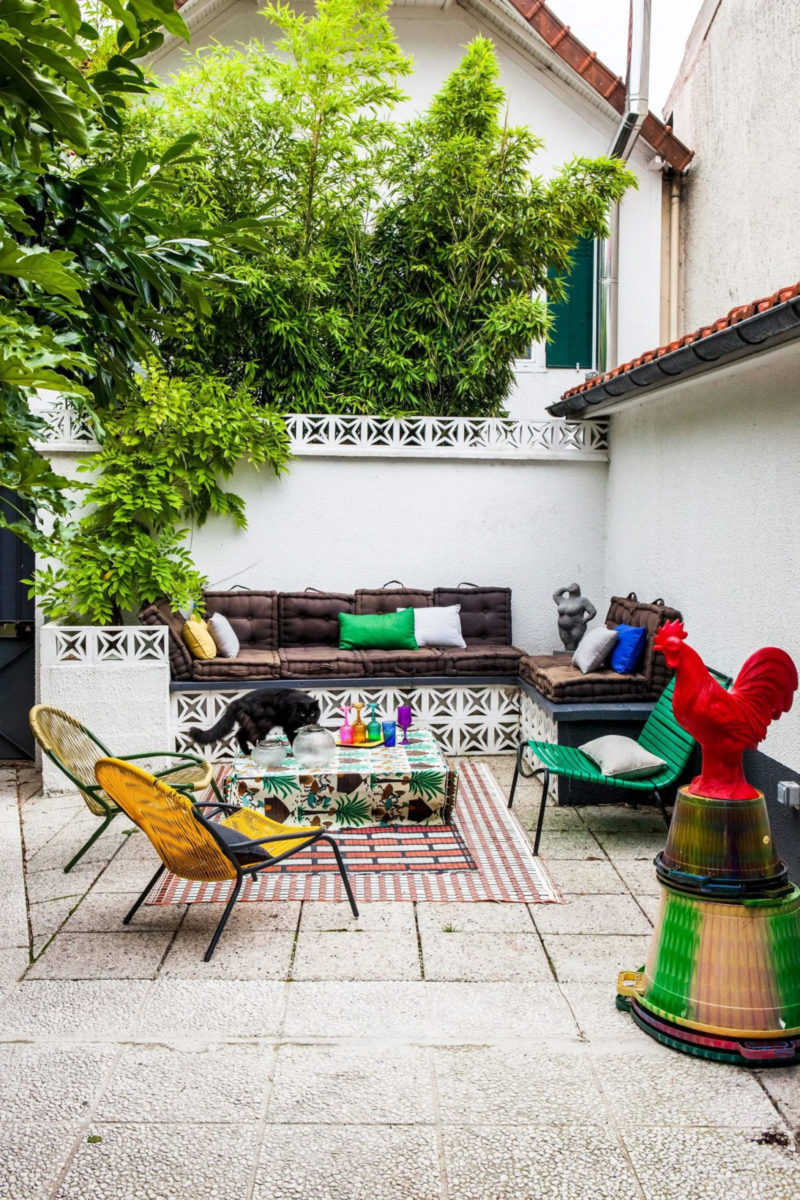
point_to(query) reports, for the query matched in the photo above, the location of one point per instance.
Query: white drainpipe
(674, 235)
(622, 143)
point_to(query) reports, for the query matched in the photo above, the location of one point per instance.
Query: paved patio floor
(425, 1052)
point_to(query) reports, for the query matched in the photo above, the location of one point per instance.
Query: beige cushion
(594, 648)
(225, 639)
(622, 757)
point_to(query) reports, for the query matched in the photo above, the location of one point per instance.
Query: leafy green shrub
(165, 454)
(401, 267)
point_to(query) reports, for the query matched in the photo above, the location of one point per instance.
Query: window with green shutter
(572, 336)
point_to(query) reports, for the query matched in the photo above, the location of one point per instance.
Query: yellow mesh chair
(241, 843)
(75, 750)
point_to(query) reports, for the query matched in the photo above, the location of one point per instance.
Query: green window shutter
(571, 337)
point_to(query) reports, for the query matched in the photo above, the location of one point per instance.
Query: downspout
(674, 247)
(622, 143)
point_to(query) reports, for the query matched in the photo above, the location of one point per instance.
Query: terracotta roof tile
(740, 313)
(585, 63)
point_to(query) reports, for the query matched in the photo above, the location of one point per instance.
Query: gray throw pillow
(594, 648)
(622, 757)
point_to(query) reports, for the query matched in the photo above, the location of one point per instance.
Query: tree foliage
(167, 451)
(403, 265)
(90, 257)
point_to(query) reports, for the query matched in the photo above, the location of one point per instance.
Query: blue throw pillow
(628, 649)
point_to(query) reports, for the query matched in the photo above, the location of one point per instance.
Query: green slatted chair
(662, 735)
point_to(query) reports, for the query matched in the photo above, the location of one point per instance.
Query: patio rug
(483, 855)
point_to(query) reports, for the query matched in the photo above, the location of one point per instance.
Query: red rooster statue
(726, 723)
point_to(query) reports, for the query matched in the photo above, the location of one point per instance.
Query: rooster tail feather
(766, 684)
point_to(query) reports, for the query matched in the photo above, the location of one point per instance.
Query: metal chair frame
(235, 852)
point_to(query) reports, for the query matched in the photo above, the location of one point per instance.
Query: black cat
(257, 713)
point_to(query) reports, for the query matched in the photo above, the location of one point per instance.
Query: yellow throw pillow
(199, 640)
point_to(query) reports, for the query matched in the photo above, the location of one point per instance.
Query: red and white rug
(483, 855)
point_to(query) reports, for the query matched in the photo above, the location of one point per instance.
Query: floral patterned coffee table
(382, 786)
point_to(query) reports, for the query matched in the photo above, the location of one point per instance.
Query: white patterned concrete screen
(466, 720)
(390, 437)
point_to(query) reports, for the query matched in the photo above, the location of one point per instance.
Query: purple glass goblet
(404, 721)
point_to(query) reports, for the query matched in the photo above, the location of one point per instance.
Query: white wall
(735, 105)
(703, 510)
(569, 125)
(341, 523)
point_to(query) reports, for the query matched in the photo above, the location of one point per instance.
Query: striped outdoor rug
(483, 855)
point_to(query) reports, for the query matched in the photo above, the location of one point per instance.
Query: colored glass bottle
(359, 728)
(346, 729)
(374, 730)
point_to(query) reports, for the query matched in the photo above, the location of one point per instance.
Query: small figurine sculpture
(726, 723)
(574, 614)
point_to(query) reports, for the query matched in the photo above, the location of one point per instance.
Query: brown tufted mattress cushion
(311, 618)
(627, 610)
(485, 613)
(321, 662)
(180, 660)
(482, 660)
(403, 663)
(387, 600)
(556, 678)
(253, 615)
(250, 663)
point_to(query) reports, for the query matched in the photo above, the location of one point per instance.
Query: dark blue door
(17, 660)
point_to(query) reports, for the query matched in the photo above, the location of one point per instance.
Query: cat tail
(222, 728)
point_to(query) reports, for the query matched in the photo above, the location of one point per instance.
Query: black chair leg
(542, 805)
(126, 920)
(662, 806)
(343, 873)
(212, 945)
(517, 770)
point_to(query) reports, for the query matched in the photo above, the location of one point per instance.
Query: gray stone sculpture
(574, 613)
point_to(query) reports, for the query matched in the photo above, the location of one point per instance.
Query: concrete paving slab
(639, 876)
(594, 957)
(240, 954)
(474, 918)
(218, 1010)
(43, 1083)
(102, 912)
(161, 1162)
(639, 846)
(357, 1009)
(380, 1162)
(519, 1085)
(386, 955)
(782, 1084)
(573, 844)
(537, 1163)
(63, 1008)
(485, 1013)
(375, 917)
(586, 876)
(715, 1164)
(250, 917)
(32, 1156)
(101, 956)
(591, 915)
(346, 1084)
(473, 956)
(222, 1084)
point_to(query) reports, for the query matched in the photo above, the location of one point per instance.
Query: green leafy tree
(89, 260)
(453, 283)
(161, 469)
(300, 138)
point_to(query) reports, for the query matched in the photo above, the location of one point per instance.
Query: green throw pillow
(378, 631)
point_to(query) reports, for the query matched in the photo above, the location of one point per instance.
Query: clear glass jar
(271, 750)
(313, 746)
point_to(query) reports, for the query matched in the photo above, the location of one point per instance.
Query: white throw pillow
(594, 648)
(225, 639)
(622, 756)
(439, 627)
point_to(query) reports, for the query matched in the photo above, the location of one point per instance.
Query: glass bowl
(313, 746)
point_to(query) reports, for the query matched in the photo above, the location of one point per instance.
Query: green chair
(76, 750)
(662, 735)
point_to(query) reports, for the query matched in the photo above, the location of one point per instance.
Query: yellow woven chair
(75, 750)
(241, 843)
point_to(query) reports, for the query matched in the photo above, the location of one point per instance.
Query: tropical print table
(382, 786)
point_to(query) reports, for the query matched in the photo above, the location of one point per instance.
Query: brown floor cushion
(250, 663)
(556, 678)
(403, 663)
(482, 660)
(321, 662)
